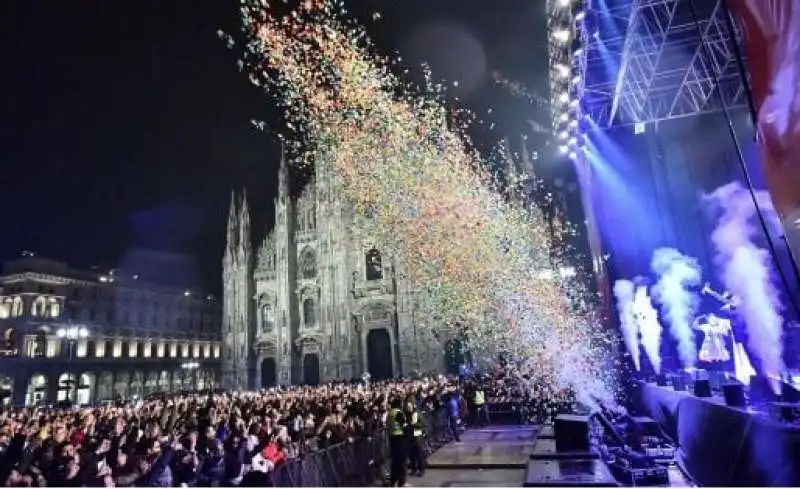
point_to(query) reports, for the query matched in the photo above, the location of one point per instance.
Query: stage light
(563, 149)
(563, 70)
(573, 123)
(561, 35)
(573, 155)
(564, 117)
(564, 135)
(580, 16)
(563, 98)
(574, 103)
(639, 128)
(578, 52)
(573, 141)
(564, 3)
(576, 79)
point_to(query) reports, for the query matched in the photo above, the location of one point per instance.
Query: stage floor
(500, 456)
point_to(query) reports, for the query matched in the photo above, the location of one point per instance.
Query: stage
(721, 445)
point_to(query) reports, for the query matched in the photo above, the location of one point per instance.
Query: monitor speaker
(761, 390)
(572, 433)
(734, 395)
(702, 388)
(789, 393)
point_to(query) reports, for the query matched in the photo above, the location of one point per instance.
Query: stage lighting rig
(566, 21)
(671, 59)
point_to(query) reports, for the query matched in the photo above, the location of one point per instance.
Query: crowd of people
(214, 439)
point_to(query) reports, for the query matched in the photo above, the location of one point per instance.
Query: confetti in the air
(484, 265)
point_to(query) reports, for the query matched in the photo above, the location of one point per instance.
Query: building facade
(85, 336)
(312, 304)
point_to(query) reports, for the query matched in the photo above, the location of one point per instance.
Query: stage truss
(655, 60)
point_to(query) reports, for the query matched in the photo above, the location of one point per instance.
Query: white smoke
(623, 291)
(677, 273)
(745, 271)
(649, 327)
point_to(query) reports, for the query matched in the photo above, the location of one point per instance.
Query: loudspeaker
(789, 393)
(661, 380)
(734, 395)
(702, 388)
(572, 433)
(761, 390)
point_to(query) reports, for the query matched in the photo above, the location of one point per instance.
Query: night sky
(125, 124)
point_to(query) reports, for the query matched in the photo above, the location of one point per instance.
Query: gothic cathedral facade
(313, 305)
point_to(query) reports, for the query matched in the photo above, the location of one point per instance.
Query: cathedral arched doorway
(311, 369)
(269, 374)
(454, 356)
(379, 354)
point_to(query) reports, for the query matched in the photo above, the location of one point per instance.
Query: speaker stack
(734, 395)
(702, 388)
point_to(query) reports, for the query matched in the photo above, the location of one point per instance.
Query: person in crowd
(454, 413)
(209, 439)
(414, 436)
(396, 426)
(481, 412)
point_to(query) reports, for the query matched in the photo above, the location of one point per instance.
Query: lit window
(173, 350)
(147, 348)
(207, 350)
(160, 349)
(55, 308)
(81, 347)
(53, 345)
(216, 350)
(117, 351)
(185, 350)
(132, 348)
(100, 348)
(196, 350)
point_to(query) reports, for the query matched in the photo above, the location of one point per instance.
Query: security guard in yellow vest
(395, 425)
(415, 434)
(481, 413)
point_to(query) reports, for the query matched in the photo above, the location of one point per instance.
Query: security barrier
(356, 463)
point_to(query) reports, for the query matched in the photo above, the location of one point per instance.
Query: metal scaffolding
(656, 60)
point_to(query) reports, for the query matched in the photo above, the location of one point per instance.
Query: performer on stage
(743, 368)
(716, 331)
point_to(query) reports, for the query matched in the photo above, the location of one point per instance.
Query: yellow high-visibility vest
(395, 428)
(480, 399)
(416, 425)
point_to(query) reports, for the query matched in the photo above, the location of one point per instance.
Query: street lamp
(72, 334)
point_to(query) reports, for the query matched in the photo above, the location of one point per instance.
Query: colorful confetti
(476, 255)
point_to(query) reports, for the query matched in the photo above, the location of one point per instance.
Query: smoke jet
(624, 293)
(746, 274)
(649, 327)
(677, 273)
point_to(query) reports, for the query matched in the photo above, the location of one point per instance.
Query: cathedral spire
(232, 223)
(283, 175)
(244, 223)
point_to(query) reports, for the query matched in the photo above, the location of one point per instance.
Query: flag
(771, 31)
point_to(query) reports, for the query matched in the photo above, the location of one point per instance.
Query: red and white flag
(771, 31)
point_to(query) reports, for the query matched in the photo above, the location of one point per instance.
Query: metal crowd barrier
(357, 463)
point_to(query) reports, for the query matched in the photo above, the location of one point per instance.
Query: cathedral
(312, 304)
